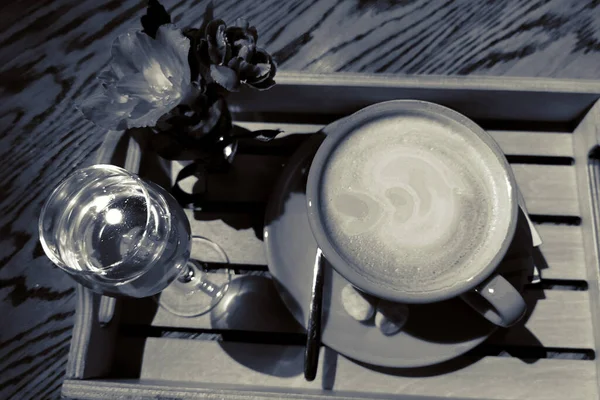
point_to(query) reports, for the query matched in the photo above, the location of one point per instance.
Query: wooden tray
(254, 349)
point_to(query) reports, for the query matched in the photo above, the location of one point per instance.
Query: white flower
(146, 79)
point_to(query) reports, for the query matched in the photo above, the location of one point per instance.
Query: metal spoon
(313, 338)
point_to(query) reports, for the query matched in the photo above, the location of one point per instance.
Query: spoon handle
(313, 339)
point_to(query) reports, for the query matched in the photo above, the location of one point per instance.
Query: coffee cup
(413, 202)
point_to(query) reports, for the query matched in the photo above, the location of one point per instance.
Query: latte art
(410, 207)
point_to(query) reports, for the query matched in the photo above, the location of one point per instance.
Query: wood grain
(51, 52)
(123, 388)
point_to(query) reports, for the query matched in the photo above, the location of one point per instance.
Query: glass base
(197, 291)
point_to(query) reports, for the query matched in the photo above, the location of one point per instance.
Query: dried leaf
(201, 53)
(156, 15)
(263, 57)
(266, 135)
(263, 85)
(209, 15)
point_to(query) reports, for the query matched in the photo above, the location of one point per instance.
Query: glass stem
(190, 273)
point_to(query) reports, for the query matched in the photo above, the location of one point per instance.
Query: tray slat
(182, 368)
(585, 138)
(561, 249)
(513, 99)
(254, 365)
(561, 319)
(128, 389)
(548, 189)
(533, 143)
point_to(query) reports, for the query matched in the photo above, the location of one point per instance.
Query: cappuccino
(410, 202)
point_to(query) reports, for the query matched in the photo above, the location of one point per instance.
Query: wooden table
(51, 51)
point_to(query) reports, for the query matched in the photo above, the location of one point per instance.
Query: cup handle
(497, 301)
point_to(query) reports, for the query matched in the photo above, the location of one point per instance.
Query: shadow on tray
(131, 340)
(252, 312)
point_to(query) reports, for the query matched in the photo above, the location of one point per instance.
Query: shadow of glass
(290, 302)
(252, 304)
(275, 360)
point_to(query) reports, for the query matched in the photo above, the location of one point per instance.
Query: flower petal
(218, 48)
(225, 77)
(254, 73)
(105, 112)
(261, 56)
(217, 42)
(213, 27)
(121, 51)
(148, 116)
(174, 47)
(108, 76)
(138, 86)
(246, 52)
(141, 51)
(239, 37)
(235, 63)
(254, 33)
(146, 79)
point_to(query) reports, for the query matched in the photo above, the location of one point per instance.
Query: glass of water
(121, 236)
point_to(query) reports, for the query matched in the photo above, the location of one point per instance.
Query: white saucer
(434, 332)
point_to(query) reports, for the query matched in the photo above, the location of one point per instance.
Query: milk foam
(409, 203)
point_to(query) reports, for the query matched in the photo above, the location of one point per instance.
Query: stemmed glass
(121, 236)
